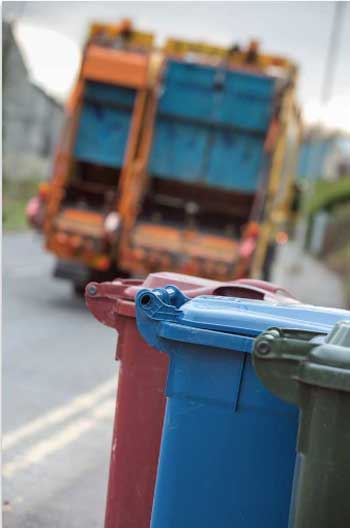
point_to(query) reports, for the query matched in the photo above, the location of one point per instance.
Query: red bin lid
(109, 300)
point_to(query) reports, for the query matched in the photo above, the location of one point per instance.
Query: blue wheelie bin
(228, 445)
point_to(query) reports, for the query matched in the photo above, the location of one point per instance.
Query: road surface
(59, 378)
(55, 443)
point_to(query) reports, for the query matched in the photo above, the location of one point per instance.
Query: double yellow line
(91, 407)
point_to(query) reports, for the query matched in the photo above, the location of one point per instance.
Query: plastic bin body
(225, 431)
(316, 377)
(140, 399)
(228, 447)
(137, 430)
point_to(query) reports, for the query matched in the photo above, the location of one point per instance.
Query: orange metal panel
(123, 68)
(62, 163)
(212, 54)
(75, 97)
(132, 261)
(185, 251)
(89, 217)
(190, 242)
(80, 222)
(65, 250)
(134, 177)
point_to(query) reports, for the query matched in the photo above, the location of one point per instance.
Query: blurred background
(55, 469)
(42, 46)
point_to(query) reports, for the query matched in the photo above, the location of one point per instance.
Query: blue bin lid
(165, 315)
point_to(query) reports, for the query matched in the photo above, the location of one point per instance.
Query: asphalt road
(55, 446)
(59, 379)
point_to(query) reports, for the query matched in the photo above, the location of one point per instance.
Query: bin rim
(166, 314)
(107, 300)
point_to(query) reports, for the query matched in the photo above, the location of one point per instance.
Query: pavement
(307, 278)
(59, 378)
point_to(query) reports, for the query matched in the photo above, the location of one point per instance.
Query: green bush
(327, 195)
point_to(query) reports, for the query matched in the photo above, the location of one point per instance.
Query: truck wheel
(78, 290)
(268, 263)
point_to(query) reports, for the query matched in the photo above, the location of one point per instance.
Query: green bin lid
(328, 365)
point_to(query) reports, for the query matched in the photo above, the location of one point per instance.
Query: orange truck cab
(180, 159)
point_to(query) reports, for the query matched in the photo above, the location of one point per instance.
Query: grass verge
(15, 196)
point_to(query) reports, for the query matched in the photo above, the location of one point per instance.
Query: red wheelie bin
(140, 401)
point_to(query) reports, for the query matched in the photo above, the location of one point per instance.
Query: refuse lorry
(77, 209)
(180, 159)
(219, 180)
(228, 445)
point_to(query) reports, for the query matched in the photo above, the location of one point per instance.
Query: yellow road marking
(59, 440)
(83, 402)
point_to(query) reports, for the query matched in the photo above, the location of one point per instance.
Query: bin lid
(284, 359)
(328, 365)
(107, 300)
(166, 314)
(219, 311)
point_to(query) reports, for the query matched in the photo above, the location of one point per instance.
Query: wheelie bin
(228, 445)
(140, 397)
(317, 379)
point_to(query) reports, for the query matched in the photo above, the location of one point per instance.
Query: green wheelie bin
(316, 377)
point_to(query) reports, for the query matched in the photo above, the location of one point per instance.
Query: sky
(51, 35)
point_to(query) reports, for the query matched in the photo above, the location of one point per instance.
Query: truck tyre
(78, 290)
(268, 263)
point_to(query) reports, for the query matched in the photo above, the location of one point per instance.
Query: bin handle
(255, 289)
(266, 286)
(233, 342)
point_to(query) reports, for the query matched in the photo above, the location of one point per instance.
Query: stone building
(31, 119)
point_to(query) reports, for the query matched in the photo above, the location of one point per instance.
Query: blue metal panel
(178, 150)
(235, 161)
(247, 101)
(188, 91)
(104, 124)
(210, 126)
(228, 445)
(241, 100)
